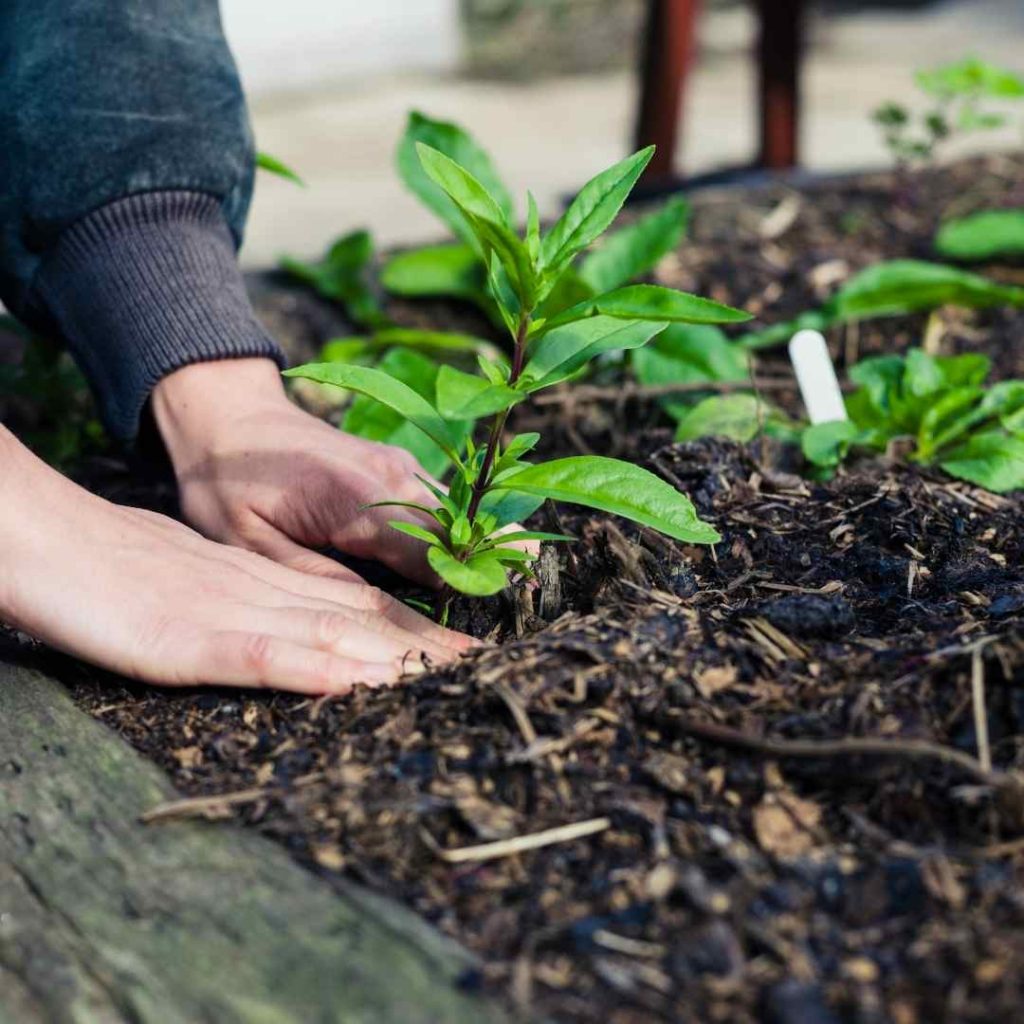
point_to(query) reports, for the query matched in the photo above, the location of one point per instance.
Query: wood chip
(522, 844)
(784, 824)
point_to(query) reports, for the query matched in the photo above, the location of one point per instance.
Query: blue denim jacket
(100, 99)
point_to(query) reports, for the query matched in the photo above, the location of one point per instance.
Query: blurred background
(551, 88)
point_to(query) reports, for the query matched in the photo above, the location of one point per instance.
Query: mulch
(771, 782)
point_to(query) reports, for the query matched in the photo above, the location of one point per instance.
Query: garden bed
(662, 698)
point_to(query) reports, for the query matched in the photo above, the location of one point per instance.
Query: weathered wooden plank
(106, 920)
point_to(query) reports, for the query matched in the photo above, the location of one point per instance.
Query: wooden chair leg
(780, 49)
(668, 55)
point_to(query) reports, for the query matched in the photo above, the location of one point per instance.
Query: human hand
(257, 472)
(142, 595)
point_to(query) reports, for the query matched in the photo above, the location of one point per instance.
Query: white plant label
(819, 385)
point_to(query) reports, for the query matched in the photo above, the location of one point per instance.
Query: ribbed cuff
(142, 287)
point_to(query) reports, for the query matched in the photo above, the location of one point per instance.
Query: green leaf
(779, 334)
(561, 352)
(967, 370)
(458, 145)
(520, 445)
(385, 388)
(593, 210)
(435, 513)
(648, 302)
(826, 444)
(988, 235)
(342, 276)
(532, 227)
(468, 397)
(509, 507)
(688, 354)
(636, 249)
(897, 287)
(469, 194)
(881, 377)
(1005, 400)
(992, 460)
(361, 349)
(479, 576)
(507, 302)
(454, 270)
(922, 375)
(496, 370)
(948, 418)
(621, 488)
(266, 162)
(437, 341)
(447, 505)
(565, 291)
(734, 416)
(419, 532)
(518, 535)
(461, 532)
(346, 350)
(486, 219)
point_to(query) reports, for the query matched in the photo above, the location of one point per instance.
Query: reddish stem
(498, 424)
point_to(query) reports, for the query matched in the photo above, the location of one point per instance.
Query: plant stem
(498, 423)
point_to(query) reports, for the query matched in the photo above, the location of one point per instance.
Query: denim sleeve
(103, 99)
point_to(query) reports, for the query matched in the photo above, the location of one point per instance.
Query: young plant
(960, 98)
(893, 288)
(456, 270)
(695, 354)
(684, 354)
(459, 270)
(493, 485)
(940, 408)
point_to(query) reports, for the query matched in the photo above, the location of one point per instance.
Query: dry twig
(521, 844)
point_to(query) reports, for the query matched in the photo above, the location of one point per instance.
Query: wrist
(193, 406)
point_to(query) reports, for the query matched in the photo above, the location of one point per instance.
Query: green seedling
(893, 288)
(941, 410)
(343, 276)
(493, 486)
(691, 355)
(964, 97)
(459, 270)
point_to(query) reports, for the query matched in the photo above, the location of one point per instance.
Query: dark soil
(705, 716)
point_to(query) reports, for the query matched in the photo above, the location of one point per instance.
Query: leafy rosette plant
(940, 407)
(493, 486)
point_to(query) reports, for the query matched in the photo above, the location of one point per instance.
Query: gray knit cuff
(142, 287)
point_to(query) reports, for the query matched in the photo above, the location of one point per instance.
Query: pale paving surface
(553, 134)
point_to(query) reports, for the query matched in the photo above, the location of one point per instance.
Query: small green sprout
(960, 97)
(940, 407)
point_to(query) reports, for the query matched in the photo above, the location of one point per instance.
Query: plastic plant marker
(819, 386)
